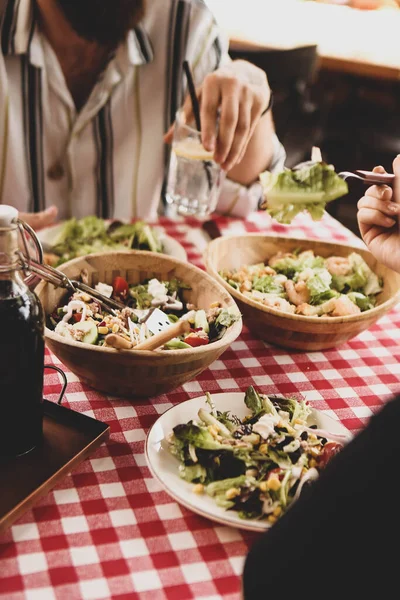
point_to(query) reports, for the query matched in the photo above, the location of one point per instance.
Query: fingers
(255, 117)
(371, 217)
(41, 219)
(380, 192)
(210, 100)
(228, 127)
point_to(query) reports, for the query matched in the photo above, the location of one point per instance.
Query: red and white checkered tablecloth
(109, 531)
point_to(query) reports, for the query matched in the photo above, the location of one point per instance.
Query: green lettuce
(363, 302)
(193, 473)
(268, 285)
(359, 279)
(92, 234)
(310, 187)
(319, 286)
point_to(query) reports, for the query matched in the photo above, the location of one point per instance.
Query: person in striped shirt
(88, 95)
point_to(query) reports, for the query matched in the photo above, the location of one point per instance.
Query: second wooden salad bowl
(292, 330)
(138, 373)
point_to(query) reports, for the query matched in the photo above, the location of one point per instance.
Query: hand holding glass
(195, 180)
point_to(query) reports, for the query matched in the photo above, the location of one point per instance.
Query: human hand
(378, 221)
(237, 94)
(41, 219)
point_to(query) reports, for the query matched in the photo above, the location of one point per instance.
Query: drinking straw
(193, 95)
(196, 112)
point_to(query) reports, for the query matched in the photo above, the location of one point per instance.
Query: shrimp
(278, 303)
(298, 293)
(338, 265)
(342, 307)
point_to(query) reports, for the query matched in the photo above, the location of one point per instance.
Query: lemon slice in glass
(192, 149)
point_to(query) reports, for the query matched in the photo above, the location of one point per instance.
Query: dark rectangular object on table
(212, 229)
(69, 438)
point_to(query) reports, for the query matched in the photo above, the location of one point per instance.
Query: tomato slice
(195, 340)
(77, 317)
(120, 288)
(328, 452)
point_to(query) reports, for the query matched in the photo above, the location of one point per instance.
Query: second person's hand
(378, 213)
(41, 219)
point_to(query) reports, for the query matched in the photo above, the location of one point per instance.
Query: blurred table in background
(359, 42)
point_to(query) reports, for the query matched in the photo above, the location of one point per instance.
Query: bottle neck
(10, 262)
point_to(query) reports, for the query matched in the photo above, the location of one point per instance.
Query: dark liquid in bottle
(21, 370)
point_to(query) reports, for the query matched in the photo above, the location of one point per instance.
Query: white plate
(164, 466)
(171, 247)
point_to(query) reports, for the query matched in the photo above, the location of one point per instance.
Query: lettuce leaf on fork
(308, 186)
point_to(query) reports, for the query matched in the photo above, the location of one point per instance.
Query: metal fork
(369, 177)
(59, 279)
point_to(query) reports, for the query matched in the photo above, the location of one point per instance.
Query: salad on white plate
(80, 237)
(241, 459)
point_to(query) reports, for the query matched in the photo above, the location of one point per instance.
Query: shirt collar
(18, 27)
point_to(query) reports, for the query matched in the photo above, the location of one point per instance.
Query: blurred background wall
(334, 68)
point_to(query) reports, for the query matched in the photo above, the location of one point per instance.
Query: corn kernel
(264, 486)
(272, 519)
(263, 449)
(232, 493)
(85, 298)
(98, 316)
(215, 305)
(198, 488)
(115, 328)
(102, 330)
(277, 511)
(312, 436)
(273, 483)
(315, 451)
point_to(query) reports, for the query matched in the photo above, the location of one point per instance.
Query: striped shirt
(109, 158)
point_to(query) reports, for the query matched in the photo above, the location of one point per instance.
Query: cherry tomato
(77, 317)
(328, 452)
(195, 340)
(121, 288)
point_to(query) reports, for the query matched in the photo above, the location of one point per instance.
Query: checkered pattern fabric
(109, 531)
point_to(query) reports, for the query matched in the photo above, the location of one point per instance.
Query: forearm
(258, 155)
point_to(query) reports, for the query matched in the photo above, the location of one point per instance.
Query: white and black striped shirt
(109, 158)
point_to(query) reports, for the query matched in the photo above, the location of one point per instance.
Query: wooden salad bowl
(291, 330)
(137, 373)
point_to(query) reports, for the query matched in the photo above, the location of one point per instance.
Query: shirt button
(56, 172)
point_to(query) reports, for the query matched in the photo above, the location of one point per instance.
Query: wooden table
(349, 40)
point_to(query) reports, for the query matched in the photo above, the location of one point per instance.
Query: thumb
(169, 135)
(41, 219)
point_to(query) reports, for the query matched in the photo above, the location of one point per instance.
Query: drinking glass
(195, 180)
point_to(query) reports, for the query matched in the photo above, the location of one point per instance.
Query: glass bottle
(21, 348)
